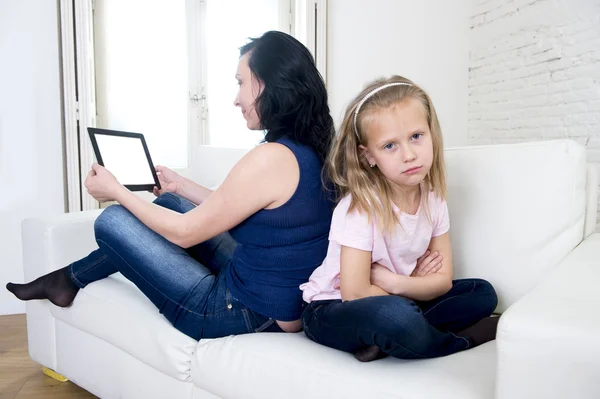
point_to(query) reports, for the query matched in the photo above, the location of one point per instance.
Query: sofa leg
(53, 374)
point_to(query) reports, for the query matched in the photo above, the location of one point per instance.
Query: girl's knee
(487, 293)
(397, 315)
(401, 328)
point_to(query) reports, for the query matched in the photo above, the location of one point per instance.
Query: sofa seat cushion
(276, 365)
(115, 311)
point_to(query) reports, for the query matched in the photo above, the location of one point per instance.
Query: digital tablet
(126, 156)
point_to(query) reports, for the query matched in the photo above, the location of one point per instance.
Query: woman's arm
(193, 191)
(355, 275)
(265, 177)
(422, 288)
(173, 182)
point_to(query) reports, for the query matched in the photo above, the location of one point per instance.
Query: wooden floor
(21, 377)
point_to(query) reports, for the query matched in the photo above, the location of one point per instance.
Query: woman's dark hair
(293, 102)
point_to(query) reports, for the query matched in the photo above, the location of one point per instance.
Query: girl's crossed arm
(422, 288)
(355, 275)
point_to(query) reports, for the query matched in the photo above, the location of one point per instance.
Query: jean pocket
(265, 325)
(308, 333)
(307, 322)
(222, 302)
(231, 302)
(262, 323)
(317, 305)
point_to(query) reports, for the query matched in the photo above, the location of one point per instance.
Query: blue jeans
(401, 327)
(186, 285)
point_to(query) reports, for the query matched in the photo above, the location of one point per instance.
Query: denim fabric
(186, 285)
(401, 327)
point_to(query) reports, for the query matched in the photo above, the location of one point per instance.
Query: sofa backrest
(516, 211)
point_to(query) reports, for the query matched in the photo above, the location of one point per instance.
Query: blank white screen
(125, 158)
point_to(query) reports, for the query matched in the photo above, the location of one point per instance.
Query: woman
(232, 264)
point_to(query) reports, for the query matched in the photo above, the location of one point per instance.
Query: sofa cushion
(276, 365)
(515, 211)
(115, 311)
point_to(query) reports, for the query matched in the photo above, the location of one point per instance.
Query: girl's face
(250, 89)
(399, 142)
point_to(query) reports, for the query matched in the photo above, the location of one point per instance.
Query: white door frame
(77, 42)
(310, 28)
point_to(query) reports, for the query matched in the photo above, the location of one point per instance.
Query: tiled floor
(21, 377)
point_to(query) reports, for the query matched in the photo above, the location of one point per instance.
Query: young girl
(385, 287)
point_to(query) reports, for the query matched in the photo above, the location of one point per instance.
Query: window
(141, 74)
(167, 69)
(229, 24)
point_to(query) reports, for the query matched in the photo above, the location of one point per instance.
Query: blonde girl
(386, 286)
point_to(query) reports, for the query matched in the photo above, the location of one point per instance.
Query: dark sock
(482, 331)
(370, 353)
(57, 287)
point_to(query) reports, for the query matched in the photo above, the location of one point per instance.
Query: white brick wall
(534, 72)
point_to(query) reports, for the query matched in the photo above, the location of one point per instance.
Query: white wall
(426, 41)
(31, 166)
(535, 72)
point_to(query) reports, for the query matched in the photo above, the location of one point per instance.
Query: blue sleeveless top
(278, 249)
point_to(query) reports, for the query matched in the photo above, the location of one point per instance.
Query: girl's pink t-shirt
(398, 251)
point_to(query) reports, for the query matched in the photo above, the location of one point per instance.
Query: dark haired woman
(232, 264)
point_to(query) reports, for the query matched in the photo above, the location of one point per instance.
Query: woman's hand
(169, 181)
(101, 184)
(427, 264)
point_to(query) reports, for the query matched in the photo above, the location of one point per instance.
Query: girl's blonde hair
(349, 169)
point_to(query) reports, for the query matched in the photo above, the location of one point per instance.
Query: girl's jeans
(401, 327)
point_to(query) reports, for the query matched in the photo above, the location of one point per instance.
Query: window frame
(305, 19)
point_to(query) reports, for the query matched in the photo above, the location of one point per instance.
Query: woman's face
(249, 89)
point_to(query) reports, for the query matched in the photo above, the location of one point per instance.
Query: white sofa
(523, 217)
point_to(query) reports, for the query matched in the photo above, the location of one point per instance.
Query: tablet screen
(126, 159)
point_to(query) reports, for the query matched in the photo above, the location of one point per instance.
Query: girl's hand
(169, 180)
(382, 277)
(101, 184)
(429, 263)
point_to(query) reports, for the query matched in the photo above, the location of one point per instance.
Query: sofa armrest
(549, 341)
(49, 244)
